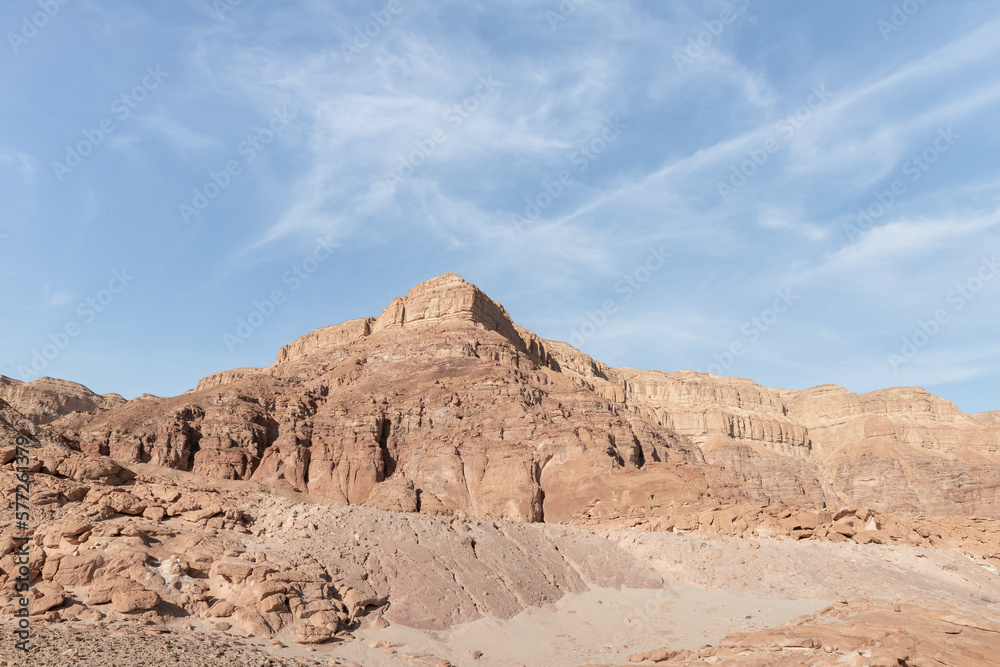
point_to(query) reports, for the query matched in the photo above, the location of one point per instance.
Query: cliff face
(704, 406)
(442, 405)
(900, 450)
(837, 418)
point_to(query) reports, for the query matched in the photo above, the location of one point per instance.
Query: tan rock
(73, 529)
(45, 597)
(47, 399)
(847, 526)
(251, 621)
(154, 513)
(313, 634)
(264, 589)
(869, 536)
(78, 570)
(233, 572)
(272, 604)
(222, 609)
(394, 495)
(128, 601)
(102, 590)
(124, 503)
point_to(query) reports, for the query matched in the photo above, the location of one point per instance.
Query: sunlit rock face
(443, 405)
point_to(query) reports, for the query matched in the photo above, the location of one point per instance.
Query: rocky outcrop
(440, 394)
(838, 419)
(47, 399)
(221, 378)
(703, 407)
(327, 339)
(781, 478)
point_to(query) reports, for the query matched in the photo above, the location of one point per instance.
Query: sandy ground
(602, 626)
(823, 570)
(714, 586)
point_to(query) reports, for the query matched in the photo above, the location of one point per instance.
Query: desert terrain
(440, 486)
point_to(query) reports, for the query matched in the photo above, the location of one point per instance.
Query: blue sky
(667, 185)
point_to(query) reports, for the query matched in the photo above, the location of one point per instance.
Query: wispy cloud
(909, 239)
(411, 164)
(55, 299)
(175, 134)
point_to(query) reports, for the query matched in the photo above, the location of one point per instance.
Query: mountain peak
(447, 297)
(443, 299)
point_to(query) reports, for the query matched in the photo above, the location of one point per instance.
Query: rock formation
(46, 399)
(144, 546)
(457, 410)
(387, 471)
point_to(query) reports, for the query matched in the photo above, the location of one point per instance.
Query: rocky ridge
(47, 399)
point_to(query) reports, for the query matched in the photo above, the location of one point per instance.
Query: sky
(795, 193)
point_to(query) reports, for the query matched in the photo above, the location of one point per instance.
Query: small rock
(312, 634)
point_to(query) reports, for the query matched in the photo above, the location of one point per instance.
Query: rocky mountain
(443, 405)
(408, 479)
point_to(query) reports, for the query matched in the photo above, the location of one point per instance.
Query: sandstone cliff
(443, 405)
